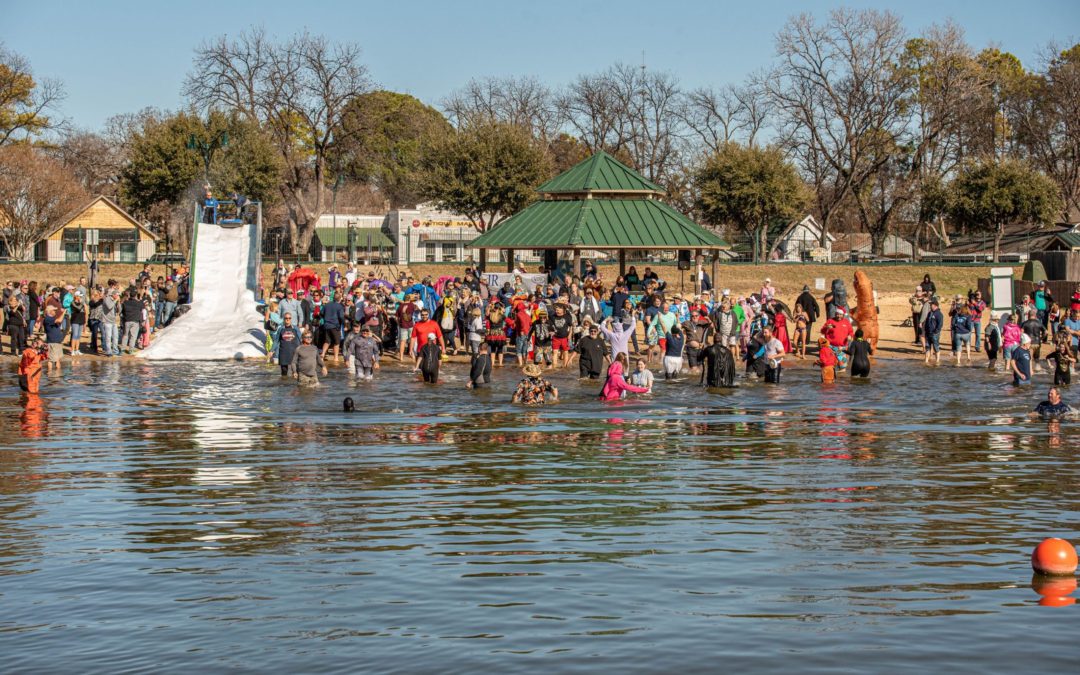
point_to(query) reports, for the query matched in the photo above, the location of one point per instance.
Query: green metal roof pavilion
(599, 204)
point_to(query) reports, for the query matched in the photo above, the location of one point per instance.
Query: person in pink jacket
(1010, 338)
(615, 384)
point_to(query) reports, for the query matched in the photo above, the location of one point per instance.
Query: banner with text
(529, 281)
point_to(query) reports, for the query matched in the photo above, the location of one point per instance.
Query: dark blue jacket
(934, 321)
(333, 314)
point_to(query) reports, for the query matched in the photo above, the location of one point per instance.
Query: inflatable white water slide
(222, 322)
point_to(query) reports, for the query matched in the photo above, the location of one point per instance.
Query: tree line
(855, 120)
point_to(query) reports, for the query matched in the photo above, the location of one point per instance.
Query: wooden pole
(576, 264)
(483, 260)
(509, 260)
(622, 262)
(715, 270)
(697, 271)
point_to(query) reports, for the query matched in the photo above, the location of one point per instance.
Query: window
(71, 252)
(128, 252)
(449, 252)
(429, 252)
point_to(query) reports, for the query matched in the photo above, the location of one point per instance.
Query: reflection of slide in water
(223, 322)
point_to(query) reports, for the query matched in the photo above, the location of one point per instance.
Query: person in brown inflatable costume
(866, 312)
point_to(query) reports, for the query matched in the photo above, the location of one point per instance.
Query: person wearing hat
(364, 350)
(308, 362)
(292, 305)
(591, 350)
(768, 291)
(428, 358)
(991, 340)
(932, 332)
(1021, 362)
(534, 389)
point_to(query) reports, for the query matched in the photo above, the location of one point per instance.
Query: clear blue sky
(119, 56)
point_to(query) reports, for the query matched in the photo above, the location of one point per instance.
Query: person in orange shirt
(30, 367)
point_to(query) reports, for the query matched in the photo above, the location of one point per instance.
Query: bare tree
(298, 90)
(946, 88)
(1048, 124)
(25, 104)
(93, 159)
(36, 194)
(521, 101)
(714, 117)
(841, 101)
(628, 111)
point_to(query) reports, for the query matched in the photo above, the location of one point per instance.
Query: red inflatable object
(1054, 556)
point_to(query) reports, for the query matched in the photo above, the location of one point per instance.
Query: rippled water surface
(212, 517)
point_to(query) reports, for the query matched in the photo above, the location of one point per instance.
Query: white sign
(528, 281)
(91, 237)
(819, 283)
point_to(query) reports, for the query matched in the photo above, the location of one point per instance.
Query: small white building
(428, 235)
(800, 241)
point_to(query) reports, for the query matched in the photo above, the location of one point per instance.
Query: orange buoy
(1054, 556)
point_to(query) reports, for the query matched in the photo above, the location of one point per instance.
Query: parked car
(171, 258)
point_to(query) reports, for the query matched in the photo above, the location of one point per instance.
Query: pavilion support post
(715, 269)
(509, 260)
(697, 271)
(622, 262)
(483, 260)
(576, 264)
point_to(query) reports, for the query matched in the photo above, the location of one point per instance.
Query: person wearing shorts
(54, 337)
(562, 324)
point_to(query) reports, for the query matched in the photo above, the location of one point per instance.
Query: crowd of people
(115, 318)
(620, 331)
(603, 329)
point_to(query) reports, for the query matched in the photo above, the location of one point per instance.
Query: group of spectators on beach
(114, 318)
(619, 330)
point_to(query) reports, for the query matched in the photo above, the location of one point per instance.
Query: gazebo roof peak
(600, 173)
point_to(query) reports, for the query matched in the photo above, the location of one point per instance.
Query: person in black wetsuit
(480, 367)
(427, 361)
(719, 370)
(860, 350)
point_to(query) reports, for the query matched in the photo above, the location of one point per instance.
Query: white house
(800, 240)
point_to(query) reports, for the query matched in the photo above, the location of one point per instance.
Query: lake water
(212, 517)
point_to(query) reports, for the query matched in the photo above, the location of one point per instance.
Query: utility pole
(337, 184)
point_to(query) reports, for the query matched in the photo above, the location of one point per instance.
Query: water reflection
(255, 522)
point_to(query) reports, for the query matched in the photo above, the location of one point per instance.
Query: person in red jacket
(522, 326)
(30, 367)
(827, 361)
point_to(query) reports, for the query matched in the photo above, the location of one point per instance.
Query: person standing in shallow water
(308, 363)
(428, 358)
(1021, 362)
(860, 350)
(534, 389)
(286, 341)
(480, 367)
